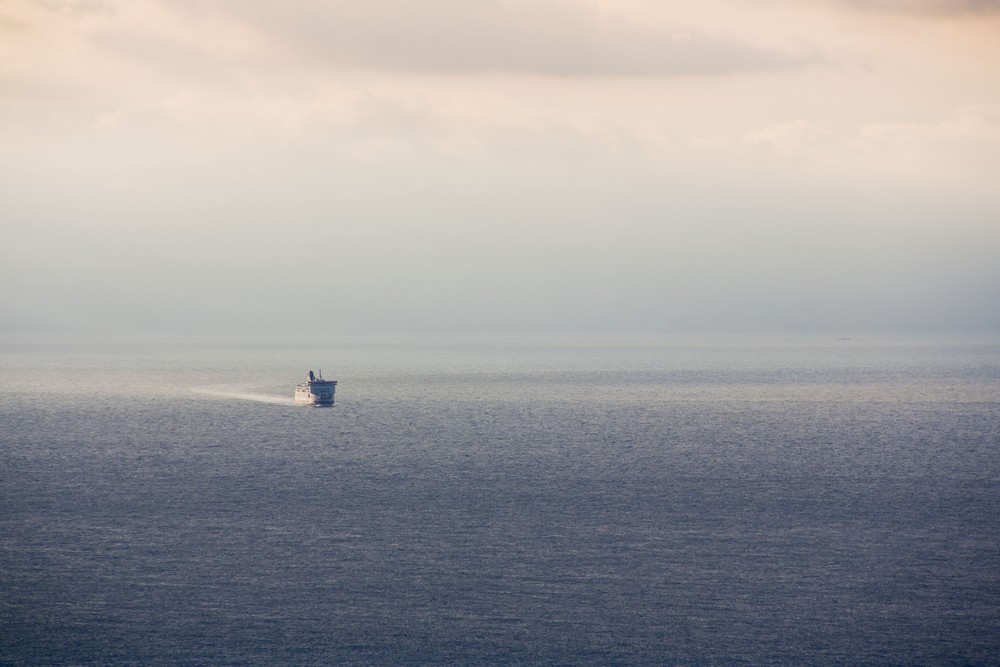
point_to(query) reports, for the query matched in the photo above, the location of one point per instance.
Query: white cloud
(793, 138)
(959, 151)
(969, 136)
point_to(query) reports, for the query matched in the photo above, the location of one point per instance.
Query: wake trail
(244, 396)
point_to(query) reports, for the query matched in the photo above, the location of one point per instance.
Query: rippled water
(496, 501)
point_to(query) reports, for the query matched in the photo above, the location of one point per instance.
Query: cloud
(540, 37)
(963, 147)
(77, 7)
(934, 7)
(796, 137)
(970, 134)
(109, 61)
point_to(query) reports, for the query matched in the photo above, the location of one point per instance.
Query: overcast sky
(499, 166)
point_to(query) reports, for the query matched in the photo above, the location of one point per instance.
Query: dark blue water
(545, 501)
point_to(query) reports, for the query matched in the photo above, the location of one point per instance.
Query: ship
(316, 391)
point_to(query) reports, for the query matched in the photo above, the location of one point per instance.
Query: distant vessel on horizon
(316, 391)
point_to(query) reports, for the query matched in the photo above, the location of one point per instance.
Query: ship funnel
(311, 376)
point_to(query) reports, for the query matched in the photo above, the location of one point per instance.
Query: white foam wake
(244, 396)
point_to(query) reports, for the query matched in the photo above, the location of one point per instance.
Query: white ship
(316, 391)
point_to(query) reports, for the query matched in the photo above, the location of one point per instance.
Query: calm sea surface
(584, 501)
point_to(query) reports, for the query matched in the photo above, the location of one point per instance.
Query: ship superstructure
(316, 391)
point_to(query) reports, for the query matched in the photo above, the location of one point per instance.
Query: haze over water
(494, 501)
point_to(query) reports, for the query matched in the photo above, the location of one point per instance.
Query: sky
(499, 166)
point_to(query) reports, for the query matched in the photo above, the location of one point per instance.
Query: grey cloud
(932, 7)
(542, 37)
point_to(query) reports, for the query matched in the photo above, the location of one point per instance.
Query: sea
(546, 500)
